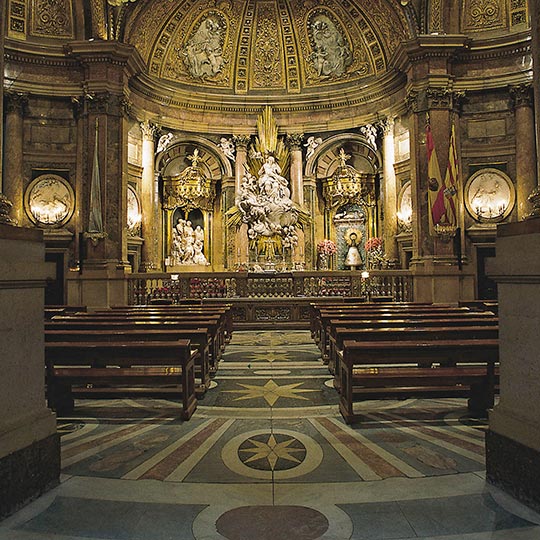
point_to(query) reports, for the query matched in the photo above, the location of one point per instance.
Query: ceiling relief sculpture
(484, 14)
(287, 46)
(53, 19)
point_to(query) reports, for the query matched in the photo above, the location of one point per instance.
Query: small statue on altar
(353, 259)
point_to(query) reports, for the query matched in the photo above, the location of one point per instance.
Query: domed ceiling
(257, 47)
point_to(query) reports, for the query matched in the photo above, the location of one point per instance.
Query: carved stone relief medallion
(49, 200)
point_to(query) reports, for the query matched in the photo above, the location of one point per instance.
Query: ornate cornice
(184, 98)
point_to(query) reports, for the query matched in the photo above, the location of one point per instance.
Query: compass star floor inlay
(270, 391)
(267, 450)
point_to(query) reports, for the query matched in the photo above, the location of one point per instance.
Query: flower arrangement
(373, 244)
(326, 247)
(375, 253)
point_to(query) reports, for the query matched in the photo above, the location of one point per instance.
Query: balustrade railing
(391, 284)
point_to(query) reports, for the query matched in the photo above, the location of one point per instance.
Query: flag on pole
(95, 222)
(435, 183)
(443, 211)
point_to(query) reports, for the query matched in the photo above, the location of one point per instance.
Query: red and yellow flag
(443, 210)
(434, 176)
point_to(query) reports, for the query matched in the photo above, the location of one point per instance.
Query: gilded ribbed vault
(261, 46)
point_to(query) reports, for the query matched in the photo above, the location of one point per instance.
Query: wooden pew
(387, 319)
(171, 322)
(225, 310)
(335, 327)
(404, 333)
(221, 316)
(114, 368)
(355, 312)
(198, 338)
(317, 309)
(52, 310)
(463, 365)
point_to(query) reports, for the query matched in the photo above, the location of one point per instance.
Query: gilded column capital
(16, 102)
(522, 95)
(439, 98)
(387, 125)
(294, 140)
(126, 106)
(241, 141)
(413, 101)
(149, 130)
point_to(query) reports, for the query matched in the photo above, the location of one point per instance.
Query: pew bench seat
(379, 369)
(120, 368)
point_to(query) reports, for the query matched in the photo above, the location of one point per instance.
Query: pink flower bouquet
(326, 247)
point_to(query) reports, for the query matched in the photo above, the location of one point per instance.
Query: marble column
(294, 140)
(13, 160)
(525, 147)
(241, 142)
(148, 255)
(242, 244)
(390, 190)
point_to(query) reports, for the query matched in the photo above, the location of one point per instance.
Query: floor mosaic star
(271, 391)
(267, 456)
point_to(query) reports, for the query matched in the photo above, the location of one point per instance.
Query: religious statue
(227, 147)
(311, 144)
(164, 142)
(353, 259)
(187, 244)
(271, 183)
(203, 52)
(265, 204)
(331, 55)
(369, 131)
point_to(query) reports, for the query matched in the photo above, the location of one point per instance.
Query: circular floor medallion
(272, 523)
(278, 454)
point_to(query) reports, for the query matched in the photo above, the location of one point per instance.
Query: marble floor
(267, 456)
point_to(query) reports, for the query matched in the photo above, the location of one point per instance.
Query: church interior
(269, 269)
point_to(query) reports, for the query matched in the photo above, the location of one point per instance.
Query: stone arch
(217, 165)
(326, 155)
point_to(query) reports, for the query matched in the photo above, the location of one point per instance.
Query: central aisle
(267, 456)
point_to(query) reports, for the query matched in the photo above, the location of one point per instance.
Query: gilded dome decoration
(283, 46)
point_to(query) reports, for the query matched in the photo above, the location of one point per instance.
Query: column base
(28, 473)
(514, 468)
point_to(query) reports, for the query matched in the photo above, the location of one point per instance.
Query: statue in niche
(203, 52)
(187, 244)
(331, 55)
(353, 259)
